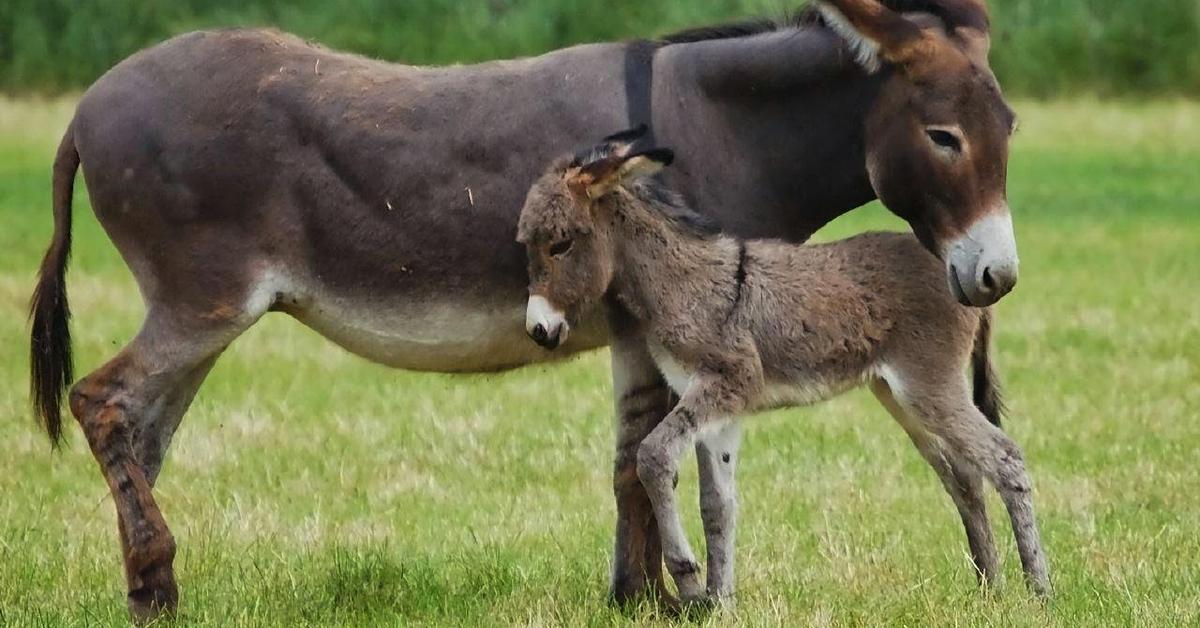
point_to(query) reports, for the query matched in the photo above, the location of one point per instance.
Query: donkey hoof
(147, 610)
(153, 601)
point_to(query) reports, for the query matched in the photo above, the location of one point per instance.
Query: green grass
(1042, 47)
(309, 487)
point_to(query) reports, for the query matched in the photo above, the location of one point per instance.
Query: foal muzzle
(544, 323)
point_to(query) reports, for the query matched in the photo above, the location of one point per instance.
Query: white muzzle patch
(546, 324)
(982, 264)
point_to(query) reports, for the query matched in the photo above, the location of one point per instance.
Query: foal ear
(592, 180)
(874, 31)
(645, 163)
(596, 179)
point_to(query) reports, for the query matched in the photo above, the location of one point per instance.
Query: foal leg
(963, 482)
(1002, 461)
(717, 455)
(708, 400)
(946, 410)
(642, 399)
(113, 403)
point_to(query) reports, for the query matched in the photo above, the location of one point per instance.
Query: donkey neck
(779, 115)
(664, 266)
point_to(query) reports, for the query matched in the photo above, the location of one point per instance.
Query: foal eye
(944, 139)
(561, 247)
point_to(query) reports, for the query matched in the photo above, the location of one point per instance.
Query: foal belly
(776, 393)
(435, 335)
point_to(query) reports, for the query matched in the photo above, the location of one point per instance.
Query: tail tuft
(50, 362)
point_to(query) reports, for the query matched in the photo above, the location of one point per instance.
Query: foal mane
(670, 204)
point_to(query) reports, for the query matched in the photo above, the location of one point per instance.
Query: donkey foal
(743, 326)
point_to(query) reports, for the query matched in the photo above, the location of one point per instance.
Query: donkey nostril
(988, 280)
(539, 333)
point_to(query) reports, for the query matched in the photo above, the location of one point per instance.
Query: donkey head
(937, 138)
(565, 226)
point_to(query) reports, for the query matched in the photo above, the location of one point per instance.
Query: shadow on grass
(345, 584)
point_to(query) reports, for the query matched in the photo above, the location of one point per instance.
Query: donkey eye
(944, 139)
(561, 247)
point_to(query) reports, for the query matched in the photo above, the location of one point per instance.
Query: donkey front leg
(642, 399)
(717, 455)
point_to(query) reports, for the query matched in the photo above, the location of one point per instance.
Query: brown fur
(742, 326)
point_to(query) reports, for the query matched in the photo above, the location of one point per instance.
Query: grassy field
(309, 487)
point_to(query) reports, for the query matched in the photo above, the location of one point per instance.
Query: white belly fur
(439, 336)
(804, 392)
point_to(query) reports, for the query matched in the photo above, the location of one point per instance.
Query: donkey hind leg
(163, 362)
(708, 400)
(642, 399)
(152, 437)
(717, 456)
(948, 412)
(962, 481)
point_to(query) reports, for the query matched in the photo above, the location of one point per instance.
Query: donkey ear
(873, 31)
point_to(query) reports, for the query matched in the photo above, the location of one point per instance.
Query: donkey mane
(808, 15)
(743, 28)
(671, 205)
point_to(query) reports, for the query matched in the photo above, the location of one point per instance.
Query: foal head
(937, 138)
(565, 226)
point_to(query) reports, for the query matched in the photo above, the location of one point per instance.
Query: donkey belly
(434, 335)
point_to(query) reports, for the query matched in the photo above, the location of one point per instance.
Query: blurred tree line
(1040, 47)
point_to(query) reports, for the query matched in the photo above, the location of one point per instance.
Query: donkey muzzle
(544, 323)
(982, 264)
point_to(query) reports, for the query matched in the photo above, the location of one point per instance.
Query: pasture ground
(308, 487)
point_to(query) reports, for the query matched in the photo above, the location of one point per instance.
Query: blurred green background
(1042, 48)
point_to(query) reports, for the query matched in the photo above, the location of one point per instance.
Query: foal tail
(986, 381)
(50, 364)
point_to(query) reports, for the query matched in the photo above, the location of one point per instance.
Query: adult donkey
(241, 172)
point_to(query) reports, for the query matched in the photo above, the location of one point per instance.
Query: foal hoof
(701, 607)
(652, 594)
(1041, 590)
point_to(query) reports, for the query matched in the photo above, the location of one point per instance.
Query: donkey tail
(50, 364)
(986, 381)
